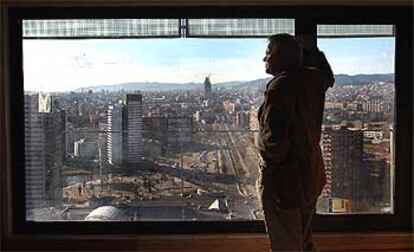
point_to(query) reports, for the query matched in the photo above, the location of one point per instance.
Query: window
(176, 129)
(359, 120)
(143, 129)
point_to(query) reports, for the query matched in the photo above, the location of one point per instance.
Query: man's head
(282, 52)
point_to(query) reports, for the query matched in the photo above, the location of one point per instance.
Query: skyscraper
(44, 151)
(114, 135)
(342, 154)
(207, 87)
(132, 129)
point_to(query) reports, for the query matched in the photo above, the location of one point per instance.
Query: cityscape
(140, 152)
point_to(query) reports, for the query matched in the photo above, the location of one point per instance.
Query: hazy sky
(63, 65)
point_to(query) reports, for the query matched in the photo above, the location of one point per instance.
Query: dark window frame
(401, 17)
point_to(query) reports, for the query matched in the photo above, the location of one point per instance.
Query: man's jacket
(290, 120)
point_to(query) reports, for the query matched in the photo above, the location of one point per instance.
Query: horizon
(202, 82)
(67, 65)
(172, 83)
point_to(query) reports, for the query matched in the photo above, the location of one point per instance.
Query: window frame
(401, 220)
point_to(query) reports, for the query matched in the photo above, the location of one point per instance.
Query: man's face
(271, 60)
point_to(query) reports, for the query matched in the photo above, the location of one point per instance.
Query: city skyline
(197, 149)
(67, 64)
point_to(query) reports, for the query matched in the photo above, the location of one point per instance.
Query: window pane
(142, 129)
(358, 128)
(163, 129)
(239, 27)
(100, 28)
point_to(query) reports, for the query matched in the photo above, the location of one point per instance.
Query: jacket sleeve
(279, 101)
(326, 71)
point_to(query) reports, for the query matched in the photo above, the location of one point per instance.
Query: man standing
(291, 166)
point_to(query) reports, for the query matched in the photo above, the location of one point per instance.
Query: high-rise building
(55, 142)
(114, 135)
(34, 153)
(207, 87)
(342, 150)
(132, 129)
(44, 151)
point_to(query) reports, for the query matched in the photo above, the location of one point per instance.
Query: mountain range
(340, 79)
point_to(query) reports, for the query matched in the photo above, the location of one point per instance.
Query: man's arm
(277, 122)
(326, 70)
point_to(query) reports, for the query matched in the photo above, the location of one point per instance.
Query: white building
(114, 134)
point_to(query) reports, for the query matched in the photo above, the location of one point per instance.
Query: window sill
(230, 242)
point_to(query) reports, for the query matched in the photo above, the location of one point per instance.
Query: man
(291, 166)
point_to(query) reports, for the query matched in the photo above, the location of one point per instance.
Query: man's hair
(287, 48)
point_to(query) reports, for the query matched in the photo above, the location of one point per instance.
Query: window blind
(355, 30)
(101, 28)
(239, 27)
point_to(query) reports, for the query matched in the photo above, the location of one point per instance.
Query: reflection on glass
(142, 150)
(174, 140)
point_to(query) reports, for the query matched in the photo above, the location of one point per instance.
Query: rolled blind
(355, 30)
(142, 28)
(239, 27)
(101, 28)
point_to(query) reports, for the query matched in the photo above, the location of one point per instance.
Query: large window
(149, 129)
(148, 116)
(143, 129)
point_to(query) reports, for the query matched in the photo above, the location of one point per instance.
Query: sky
(64, 65)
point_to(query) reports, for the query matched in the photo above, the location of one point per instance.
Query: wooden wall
(210, 243)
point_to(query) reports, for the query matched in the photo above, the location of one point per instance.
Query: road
(232, 143)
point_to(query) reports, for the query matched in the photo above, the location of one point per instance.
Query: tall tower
(132, 129)
(207, 87)
(34, 146)
(44, 151)
(342, 154)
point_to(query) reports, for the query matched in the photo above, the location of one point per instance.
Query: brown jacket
(290, 120)
(315, 58)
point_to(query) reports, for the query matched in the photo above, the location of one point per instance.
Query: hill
(340, 80)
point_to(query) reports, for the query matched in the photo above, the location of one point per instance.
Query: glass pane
(358, 128)
(142, 129)
(100, 28)
(355, 30)
(239, 27)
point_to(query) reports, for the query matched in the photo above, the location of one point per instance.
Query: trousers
(288, 229)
